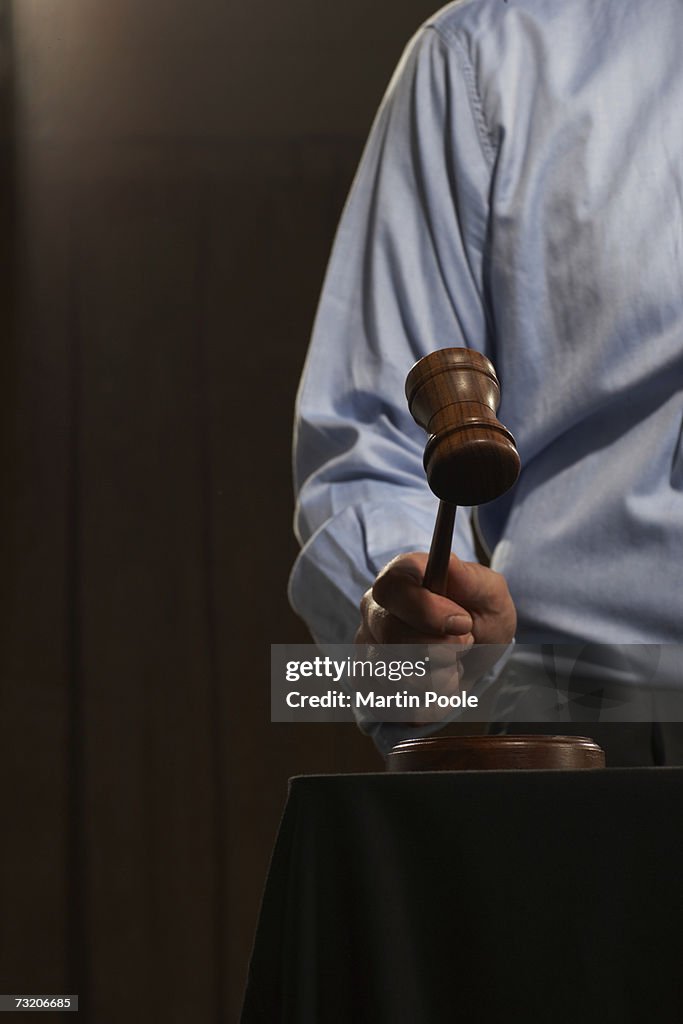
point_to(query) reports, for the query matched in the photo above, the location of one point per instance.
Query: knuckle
(401, 573)
(382, 587)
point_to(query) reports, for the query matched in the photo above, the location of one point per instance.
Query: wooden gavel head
(470, 457)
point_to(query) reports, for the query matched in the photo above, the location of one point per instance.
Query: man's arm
(405, 276)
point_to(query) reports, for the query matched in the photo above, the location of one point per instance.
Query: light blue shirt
(521, 194)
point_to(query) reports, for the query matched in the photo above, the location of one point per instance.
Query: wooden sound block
(481, 753)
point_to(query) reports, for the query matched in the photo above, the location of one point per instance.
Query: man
(521, 194)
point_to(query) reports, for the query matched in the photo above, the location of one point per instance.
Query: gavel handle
(436, 573)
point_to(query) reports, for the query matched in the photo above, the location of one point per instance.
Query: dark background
(172, 175)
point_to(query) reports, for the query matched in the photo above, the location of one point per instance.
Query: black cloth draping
(476, 897)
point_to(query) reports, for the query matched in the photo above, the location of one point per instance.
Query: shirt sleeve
(405, 277)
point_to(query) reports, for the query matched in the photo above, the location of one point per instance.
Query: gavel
(470, 457)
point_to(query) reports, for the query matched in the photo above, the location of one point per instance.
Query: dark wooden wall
(172, 174)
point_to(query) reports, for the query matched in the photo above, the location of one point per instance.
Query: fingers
(382, 627)
(474, 586)
(398, 610)
(486, 596)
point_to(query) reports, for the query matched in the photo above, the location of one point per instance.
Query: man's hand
(398, 610)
